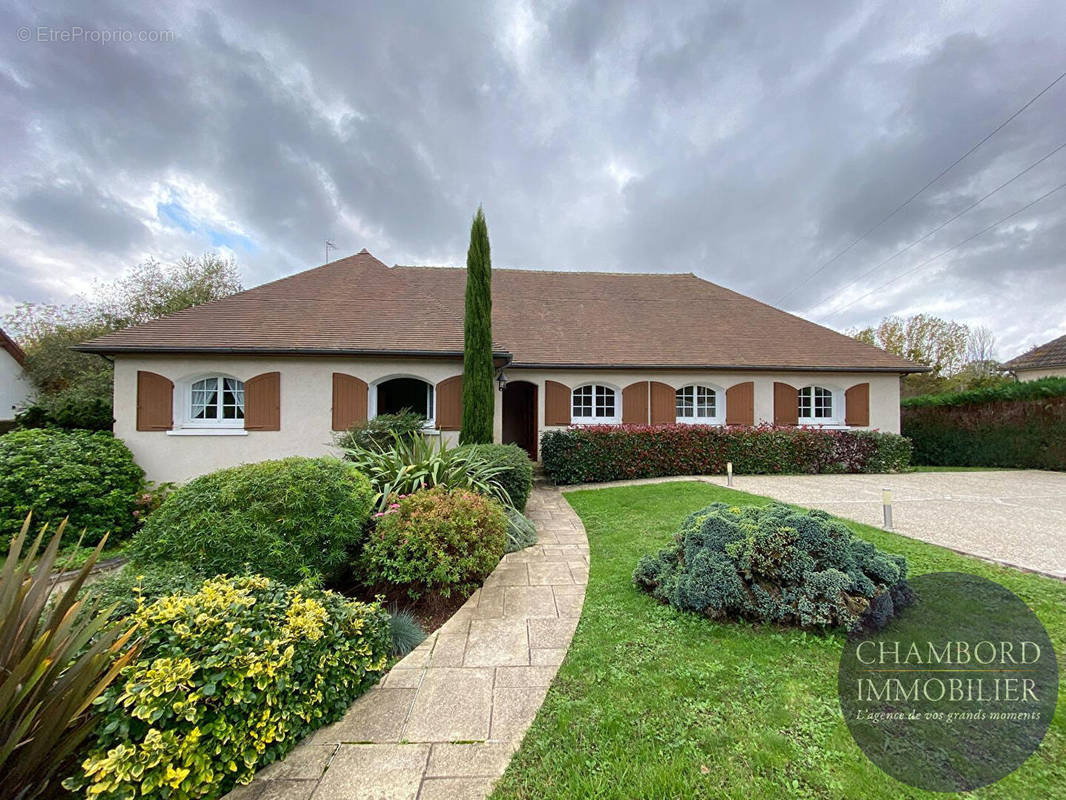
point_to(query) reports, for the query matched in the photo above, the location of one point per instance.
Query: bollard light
(729, 473)
(886, 506)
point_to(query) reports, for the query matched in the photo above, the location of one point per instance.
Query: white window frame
(431, 398)
(835, 419)
(186, 425)
(614, 419)
(719, 405)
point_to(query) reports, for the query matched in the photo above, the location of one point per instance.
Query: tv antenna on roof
(329, 246)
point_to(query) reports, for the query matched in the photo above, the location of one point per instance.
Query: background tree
(961, 358)
(478, 372)
(74, 389)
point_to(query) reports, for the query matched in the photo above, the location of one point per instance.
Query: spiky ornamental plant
(56, 657)
(478, 398)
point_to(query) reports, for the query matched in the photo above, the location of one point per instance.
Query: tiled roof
(9, 344)
(1052, 354)
(560, 319)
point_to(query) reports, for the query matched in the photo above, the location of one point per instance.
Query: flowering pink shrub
(594, 453)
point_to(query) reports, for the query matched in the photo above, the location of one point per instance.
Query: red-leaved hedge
(595, 453)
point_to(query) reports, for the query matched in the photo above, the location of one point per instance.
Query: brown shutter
(786, 404)
(155, 402)
(740, 404)
(556, 403)
(857, 405)
(349, 401)
(450, 404)
(663, 404)
(262, 402)
(635, 404)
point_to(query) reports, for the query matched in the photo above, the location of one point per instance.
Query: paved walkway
(1016, 517)
(444, 722)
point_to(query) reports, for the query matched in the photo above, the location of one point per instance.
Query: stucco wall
(306, 402)
(15, 387)
(884, 388)
(306, 409)
(1037, 374)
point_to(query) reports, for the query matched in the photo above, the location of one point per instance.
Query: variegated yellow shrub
(229, 680)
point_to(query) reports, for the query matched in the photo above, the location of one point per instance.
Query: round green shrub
(228, 680)
(88, 476)
(289, 520)
(517, 477)
(435, 542)
(775, 564)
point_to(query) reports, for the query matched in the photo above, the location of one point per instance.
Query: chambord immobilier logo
(955, 693)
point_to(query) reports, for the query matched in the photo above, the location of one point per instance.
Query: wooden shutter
(556, 403)
(857, 405)
(349, 401)
(449, 404)
(740, 404)
(663, 404)
(635, 404)
(262, 402)
(155, 402)
(786, 404)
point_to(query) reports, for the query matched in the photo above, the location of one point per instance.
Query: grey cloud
(760, 138)
(67, 211)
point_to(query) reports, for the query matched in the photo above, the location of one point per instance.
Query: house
(1046, 361)
(277, 370)
(15, 386)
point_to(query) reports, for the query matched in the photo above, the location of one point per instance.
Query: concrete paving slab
(377, 716)
(374, 772)
(496, 643)
(453, 704)
(477, 759)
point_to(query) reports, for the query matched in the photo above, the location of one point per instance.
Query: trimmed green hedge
(1021, 426)
(598, 453)
(1043, 389)
(88, 476)
(228, 680)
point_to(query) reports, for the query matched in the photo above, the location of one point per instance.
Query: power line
(921, 264)
(939, 227)
(939, 175)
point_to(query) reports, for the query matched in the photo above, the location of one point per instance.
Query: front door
(520, 416)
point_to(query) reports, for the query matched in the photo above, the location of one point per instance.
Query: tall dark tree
(478, 373)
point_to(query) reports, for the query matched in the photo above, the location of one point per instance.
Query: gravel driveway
(1016, 517)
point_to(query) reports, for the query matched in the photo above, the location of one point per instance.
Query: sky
(755, 144)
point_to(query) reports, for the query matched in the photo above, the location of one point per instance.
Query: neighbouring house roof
(358, 305)
(1051, 354)
(9, 344)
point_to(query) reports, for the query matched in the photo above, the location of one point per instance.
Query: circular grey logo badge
(957, 691)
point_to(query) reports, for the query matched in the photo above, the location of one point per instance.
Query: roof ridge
(555, 271)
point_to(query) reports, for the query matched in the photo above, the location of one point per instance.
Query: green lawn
(656, 703)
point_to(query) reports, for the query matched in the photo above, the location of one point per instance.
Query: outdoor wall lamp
(501, 380)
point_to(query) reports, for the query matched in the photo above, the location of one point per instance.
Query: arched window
(700, 405)
(594, 404)
(818, 406)
(404, 394)
(215, 400)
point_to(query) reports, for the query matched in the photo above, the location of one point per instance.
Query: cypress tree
(478, 372)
